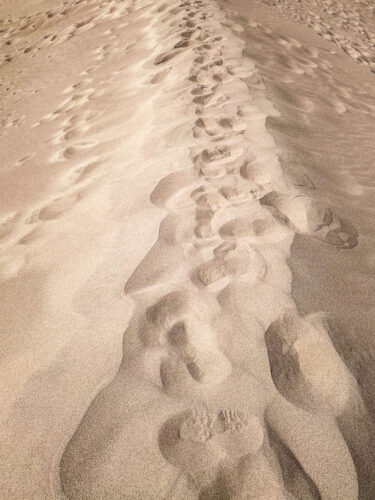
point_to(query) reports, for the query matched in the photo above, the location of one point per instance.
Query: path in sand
(195, 386)
(148, 163)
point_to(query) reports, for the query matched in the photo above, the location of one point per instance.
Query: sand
(186, 250)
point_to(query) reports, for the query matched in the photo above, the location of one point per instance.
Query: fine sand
(187, 250)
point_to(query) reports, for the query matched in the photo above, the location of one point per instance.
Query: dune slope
(185, 254)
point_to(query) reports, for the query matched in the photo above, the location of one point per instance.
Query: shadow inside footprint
(296, 480)
(164, 57)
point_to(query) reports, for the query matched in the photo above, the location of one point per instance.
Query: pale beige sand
(186, 254)
(326, 132)
(347, 23)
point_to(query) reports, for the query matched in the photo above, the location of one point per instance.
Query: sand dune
(186, 250)
(347, 24)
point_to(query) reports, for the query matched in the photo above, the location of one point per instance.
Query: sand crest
(161, 182)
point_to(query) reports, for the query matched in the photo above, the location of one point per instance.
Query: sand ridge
(145, 236)
(196, 363)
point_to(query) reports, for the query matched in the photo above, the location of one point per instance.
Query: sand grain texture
(186, 250)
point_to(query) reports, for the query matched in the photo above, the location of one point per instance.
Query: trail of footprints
(73, 147)
(21, 228)
(232, 216)
(29, 34)
(344, 24)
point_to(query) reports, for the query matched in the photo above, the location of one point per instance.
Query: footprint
(87, 171)
(302, 214)
(174, 189)
(160, 76)
(59, 206)
(181, 325)
(305, 366)
(211, 162)
(164, 57)
(212, 200)
(195, 358)
(263, 171)
(199, 460)
(168, 310)
(203, 99)
(235, 190)
(221, 154)
(199, 90)
(33, 235)
(72, 151)
(204, 217)
(209, 126)
(232, 264)
(262, 229)
(202, 424)
(209, 445)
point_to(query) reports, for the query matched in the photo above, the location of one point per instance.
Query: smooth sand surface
(187, 250)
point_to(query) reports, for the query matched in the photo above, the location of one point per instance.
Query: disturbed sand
(187, 250)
